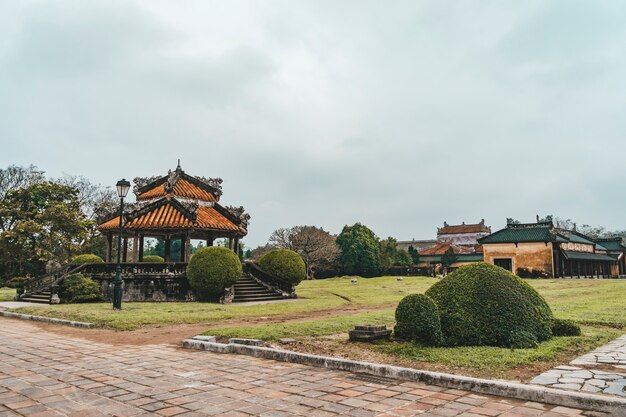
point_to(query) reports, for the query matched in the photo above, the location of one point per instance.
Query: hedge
(483, 304)
(86, 259)
(76, 288)
(285, 264)
(153, 258)
(417, 320)
(562, 327)
(211, 270)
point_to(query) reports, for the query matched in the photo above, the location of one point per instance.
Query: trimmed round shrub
(483, 304)
(86, 259)
(562, 327)
(76, 288)
(417, 320)
(211, 270)
(16, 282)
(153, 258)
(284, 264)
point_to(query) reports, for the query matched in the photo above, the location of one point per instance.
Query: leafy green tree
(415, 255)
(403, 258)
(39, 223)
(360, 251)
(388, 252)
(449, 257)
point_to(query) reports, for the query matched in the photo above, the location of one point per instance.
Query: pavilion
(176, 206)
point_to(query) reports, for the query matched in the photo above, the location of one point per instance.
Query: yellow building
(541, 250)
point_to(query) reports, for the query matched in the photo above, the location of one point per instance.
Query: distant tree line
(45, 221)
(355, 251)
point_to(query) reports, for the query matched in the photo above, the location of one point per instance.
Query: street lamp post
(122, 189)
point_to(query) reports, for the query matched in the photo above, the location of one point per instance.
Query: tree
(360, 252)
(415, 255)
(449, 257)
(40, 223)
(403, 258)
(15, 177)
(388, 252)
(97, 203)
(316, 246)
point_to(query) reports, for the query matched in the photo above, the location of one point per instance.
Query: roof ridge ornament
(215, 183)
(240, 214)
(141, 182)
(172, 179)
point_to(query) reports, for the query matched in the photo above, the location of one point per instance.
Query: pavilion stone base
(144, 289)
(369, 332)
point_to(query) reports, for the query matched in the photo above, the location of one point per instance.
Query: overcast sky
(399, 115)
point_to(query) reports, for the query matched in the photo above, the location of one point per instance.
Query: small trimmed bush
(562, 327)
(16, 282)
(284, 264)
(76, 288)
(153, 258)
(211, 270)
(483, 304)
(417, 320)
(523, 340)
(86, 259)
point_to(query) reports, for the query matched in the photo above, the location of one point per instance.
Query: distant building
(462, 234)
(541, 249)
(459, 242)
(416, 244)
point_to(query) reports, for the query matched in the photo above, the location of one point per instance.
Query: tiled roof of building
(518, 233)
(179, 201)
(182, 188)
(585, 256)
(173, 216)
(442, 248)
(449, 229)
(613, 244)
(464, 257)
(177, 183)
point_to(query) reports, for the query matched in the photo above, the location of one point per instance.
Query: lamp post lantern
(122, 189)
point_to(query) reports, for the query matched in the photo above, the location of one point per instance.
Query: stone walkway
(45, 375)
(585, 375)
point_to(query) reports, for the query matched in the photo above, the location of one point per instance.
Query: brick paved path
(45, 375)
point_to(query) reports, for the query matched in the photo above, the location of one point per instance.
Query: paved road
(43, 374)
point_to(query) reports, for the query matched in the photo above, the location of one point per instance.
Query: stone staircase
(248, 289)
(42, 297)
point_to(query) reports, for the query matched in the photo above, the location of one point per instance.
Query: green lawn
(327, 309)
(7, 294)
(320, 295)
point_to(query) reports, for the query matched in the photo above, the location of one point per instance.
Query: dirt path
(173, 334)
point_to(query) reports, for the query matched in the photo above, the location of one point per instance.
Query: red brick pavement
(45, 375)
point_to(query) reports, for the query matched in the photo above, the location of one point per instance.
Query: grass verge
(7, 294)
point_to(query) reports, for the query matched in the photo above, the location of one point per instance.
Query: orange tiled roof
(463, 228)
(167, 216)
(442, 248)
(182, 188)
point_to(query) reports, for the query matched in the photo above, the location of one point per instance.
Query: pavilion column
(109, 250)
(140, 257)
(125, 249)
(136, 248)
(209, 242)
(236, 246)
(187, 252)
(167, 248)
